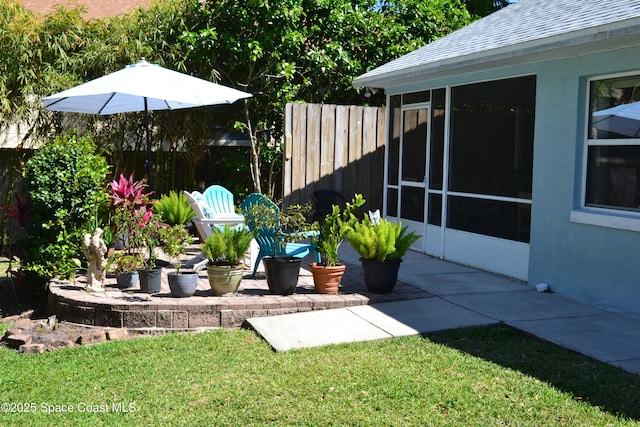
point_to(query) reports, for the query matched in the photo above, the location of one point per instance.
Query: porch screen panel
(492, 137)
(491, 158)
(394, 140)
(436, 153)
(414, 145)
(412, 203)
(392, 202)
(505, 220)
(435, 209)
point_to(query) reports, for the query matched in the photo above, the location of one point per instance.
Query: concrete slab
(363, 323)
(394, 327)
(315, 328)
(526, 305)
(607, 337)
(421, 316)
(428, 265)
(462, 282)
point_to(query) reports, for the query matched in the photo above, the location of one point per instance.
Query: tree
(37, 58)
(286, 51)
(305, 50)
(480, 8)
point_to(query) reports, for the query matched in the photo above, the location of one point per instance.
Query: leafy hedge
(66, 186)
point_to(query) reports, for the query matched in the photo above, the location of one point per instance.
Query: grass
(480, 377)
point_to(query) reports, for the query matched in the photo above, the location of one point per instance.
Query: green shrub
(334, 230)
(174, 208)
(66, 185)
(384, 241)
(174, 241)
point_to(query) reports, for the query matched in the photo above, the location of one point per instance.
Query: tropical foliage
(294, 50)
(132, 222)
(174, 241)
(334, 229)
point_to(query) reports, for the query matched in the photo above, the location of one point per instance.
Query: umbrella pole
(149, 162)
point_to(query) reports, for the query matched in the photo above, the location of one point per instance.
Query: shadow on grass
(586, 379)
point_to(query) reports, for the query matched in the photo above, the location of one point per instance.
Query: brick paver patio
(131, 308)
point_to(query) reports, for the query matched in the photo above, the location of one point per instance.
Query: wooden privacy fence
(336, 147)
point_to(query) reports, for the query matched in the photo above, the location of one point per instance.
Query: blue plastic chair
(266, 236)
(220, 203)
(206, 217)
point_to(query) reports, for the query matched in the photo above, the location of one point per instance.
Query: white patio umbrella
(623, 119)
(142, 87)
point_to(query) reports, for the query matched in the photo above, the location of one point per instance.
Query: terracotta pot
(327, 279)
(225, 280)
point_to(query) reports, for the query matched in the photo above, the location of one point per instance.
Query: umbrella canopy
(623, 119)
(142, 87)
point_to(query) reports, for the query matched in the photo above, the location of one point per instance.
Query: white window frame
(601, 216)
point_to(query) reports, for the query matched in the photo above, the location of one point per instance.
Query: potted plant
(224, 249)
(150, 274)
(131, 215)
(175, 240)
(276, 231)
(327, 273)
(381, 245)
(126, 267)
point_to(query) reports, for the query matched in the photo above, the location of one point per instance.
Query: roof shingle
(520, 24)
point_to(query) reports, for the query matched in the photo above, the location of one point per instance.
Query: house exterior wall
(594, 264)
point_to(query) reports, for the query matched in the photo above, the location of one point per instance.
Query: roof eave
(616, 35)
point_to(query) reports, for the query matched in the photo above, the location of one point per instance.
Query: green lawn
(485, 377)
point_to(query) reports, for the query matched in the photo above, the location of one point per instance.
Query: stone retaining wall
(134, 309)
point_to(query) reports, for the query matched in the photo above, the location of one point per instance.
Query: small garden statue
(94, 250)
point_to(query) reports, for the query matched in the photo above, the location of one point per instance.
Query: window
(613, 144)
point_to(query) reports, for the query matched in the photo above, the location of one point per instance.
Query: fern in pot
(174, 209)
(224, 250)
(381, 245)
(175, 240)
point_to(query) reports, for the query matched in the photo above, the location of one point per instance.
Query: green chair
(266, 236)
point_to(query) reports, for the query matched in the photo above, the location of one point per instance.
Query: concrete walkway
(462, 297)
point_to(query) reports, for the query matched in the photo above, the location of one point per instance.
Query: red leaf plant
(128, 192)
(20, 211)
